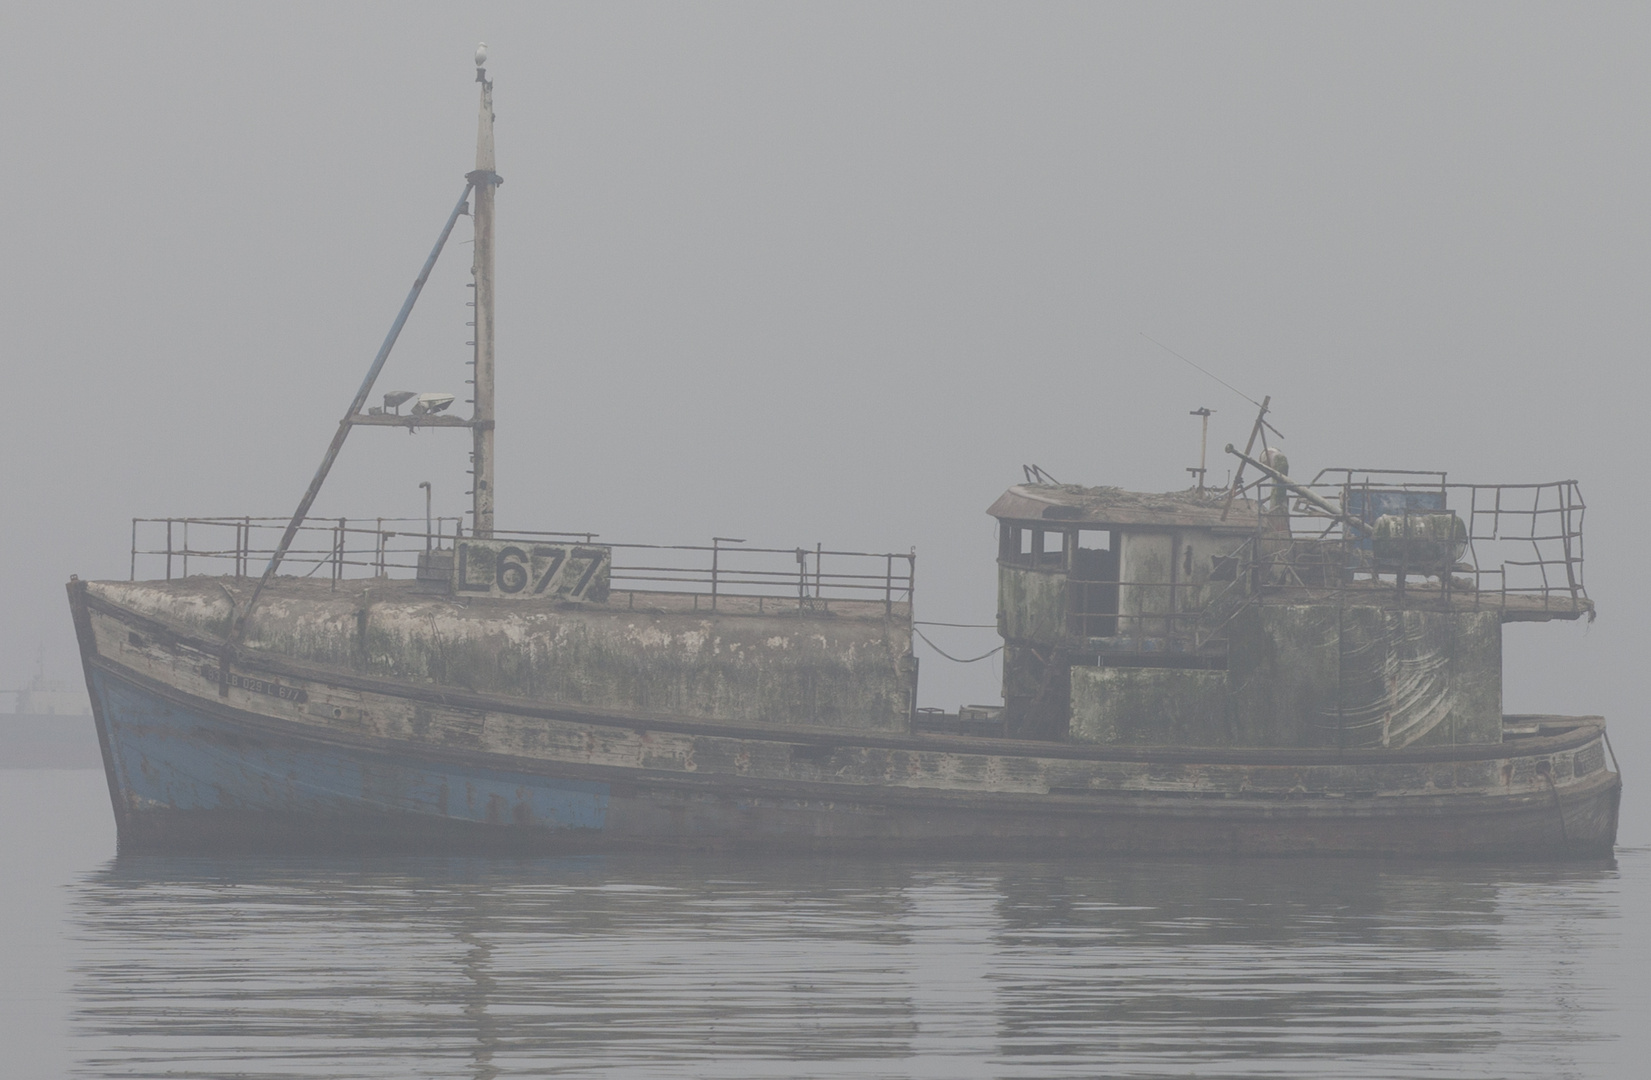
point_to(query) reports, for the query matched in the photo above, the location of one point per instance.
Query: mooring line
(949, 656)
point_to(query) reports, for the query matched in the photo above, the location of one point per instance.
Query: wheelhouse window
(1031, 547)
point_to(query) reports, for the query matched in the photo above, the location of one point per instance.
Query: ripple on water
(666, 967)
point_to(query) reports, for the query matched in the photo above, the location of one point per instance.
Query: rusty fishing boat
(1280, 666)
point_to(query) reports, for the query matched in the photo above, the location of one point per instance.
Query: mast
(483, 180)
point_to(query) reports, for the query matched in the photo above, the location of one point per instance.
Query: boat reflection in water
(644, 967)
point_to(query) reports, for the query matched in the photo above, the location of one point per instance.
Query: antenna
(1203, 443)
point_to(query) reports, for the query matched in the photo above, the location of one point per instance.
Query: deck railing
(347, 548)
(1521, 553)
(1523, 542)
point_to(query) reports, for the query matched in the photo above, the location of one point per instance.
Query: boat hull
(200, 761)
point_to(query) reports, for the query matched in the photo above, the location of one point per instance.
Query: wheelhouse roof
(1067, 505)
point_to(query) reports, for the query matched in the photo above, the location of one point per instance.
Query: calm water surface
(725, 967)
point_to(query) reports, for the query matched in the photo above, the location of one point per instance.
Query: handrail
(809, 577)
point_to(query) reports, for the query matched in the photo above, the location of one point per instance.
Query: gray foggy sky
(828, 272)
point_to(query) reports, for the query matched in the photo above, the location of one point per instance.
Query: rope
(960, 625)
(949, 656)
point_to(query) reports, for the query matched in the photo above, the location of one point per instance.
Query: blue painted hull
(181, 771)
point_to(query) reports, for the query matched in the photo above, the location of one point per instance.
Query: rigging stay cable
(949, 656)
(1206, 371)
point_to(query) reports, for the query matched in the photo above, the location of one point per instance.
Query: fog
(828, 272)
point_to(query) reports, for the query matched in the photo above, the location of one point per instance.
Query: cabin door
(1094, 584)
